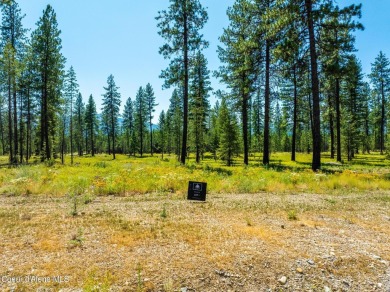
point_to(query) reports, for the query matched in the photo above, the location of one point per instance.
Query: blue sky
(120, 37)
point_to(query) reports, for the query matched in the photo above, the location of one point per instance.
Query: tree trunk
(109, 142)
(295, 121)
(2, 132)
(338, 119)
(266, 104)
(21, 129)
(316, 163)
(141, 131)
(113, 135)
(71, 129)
(92, 142)
(383, 118)
(15, 116)
(10, 129)
(367, 132)
(81, 138)
(331, 125)
(63, 142)
(28, 132)
(244, 111)
(185, 97)
(151, 135)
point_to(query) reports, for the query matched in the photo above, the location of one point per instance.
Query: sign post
(197, 191)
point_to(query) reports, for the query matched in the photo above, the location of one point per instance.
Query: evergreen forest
(292, 80)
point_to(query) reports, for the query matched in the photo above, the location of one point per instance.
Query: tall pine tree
(380, 78)
(49, 64)
(150, 100)
(91, 124)
(71, 92)
(141, 118)
(180, 27)
(110, 111)
(199, 103)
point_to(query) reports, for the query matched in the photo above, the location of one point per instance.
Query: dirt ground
(233, 242)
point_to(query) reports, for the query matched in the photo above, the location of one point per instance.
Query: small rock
(184, 289)
(282, 226)
(327, 289)
(375, 257)
(283, 280)
(346, 283)
(310, 262)
(379, 285)
(299, 270)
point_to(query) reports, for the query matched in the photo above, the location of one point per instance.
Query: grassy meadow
(100, 176)
(124, 225)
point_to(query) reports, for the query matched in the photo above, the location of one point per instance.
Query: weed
(248, 222)
(87, 198)
(163, 213)
(330, 201)
(101, 164)
(77, 239)
(292, 215)
(94, 284)
(50, 162)
(168, 285)
(140, 282)
(74, 205)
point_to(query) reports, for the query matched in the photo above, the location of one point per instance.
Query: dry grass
(232, 242)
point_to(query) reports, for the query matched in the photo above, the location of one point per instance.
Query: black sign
(197, 191)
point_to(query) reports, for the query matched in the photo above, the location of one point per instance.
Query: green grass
(100, 176)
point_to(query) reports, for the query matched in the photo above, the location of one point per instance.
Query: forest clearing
(281, 106)
(125, 225)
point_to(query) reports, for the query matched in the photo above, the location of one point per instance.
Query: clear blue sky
(120, 37)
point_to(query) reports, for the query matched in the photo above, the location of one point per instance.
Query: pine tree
(336, 44)
(365, 117)
(180, 27)
(71, 92)
(199, 104)
(241, 57)
(213, 130)
(129, 127)
(141, 118)
(9, 70)
(228, 130)
(169, 131)
(162, 131)
(79, 113)
(49, 64)
(12, 44)
(2, 122)
(110, 111)
(28, 104)
(150, 100)
(290, 54)
(91, 124)
(380, 78)
(304, 13)
(354, 108)
(175, 122)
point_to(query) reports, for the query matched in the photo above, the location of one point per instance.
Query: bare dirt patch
(233, 242)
